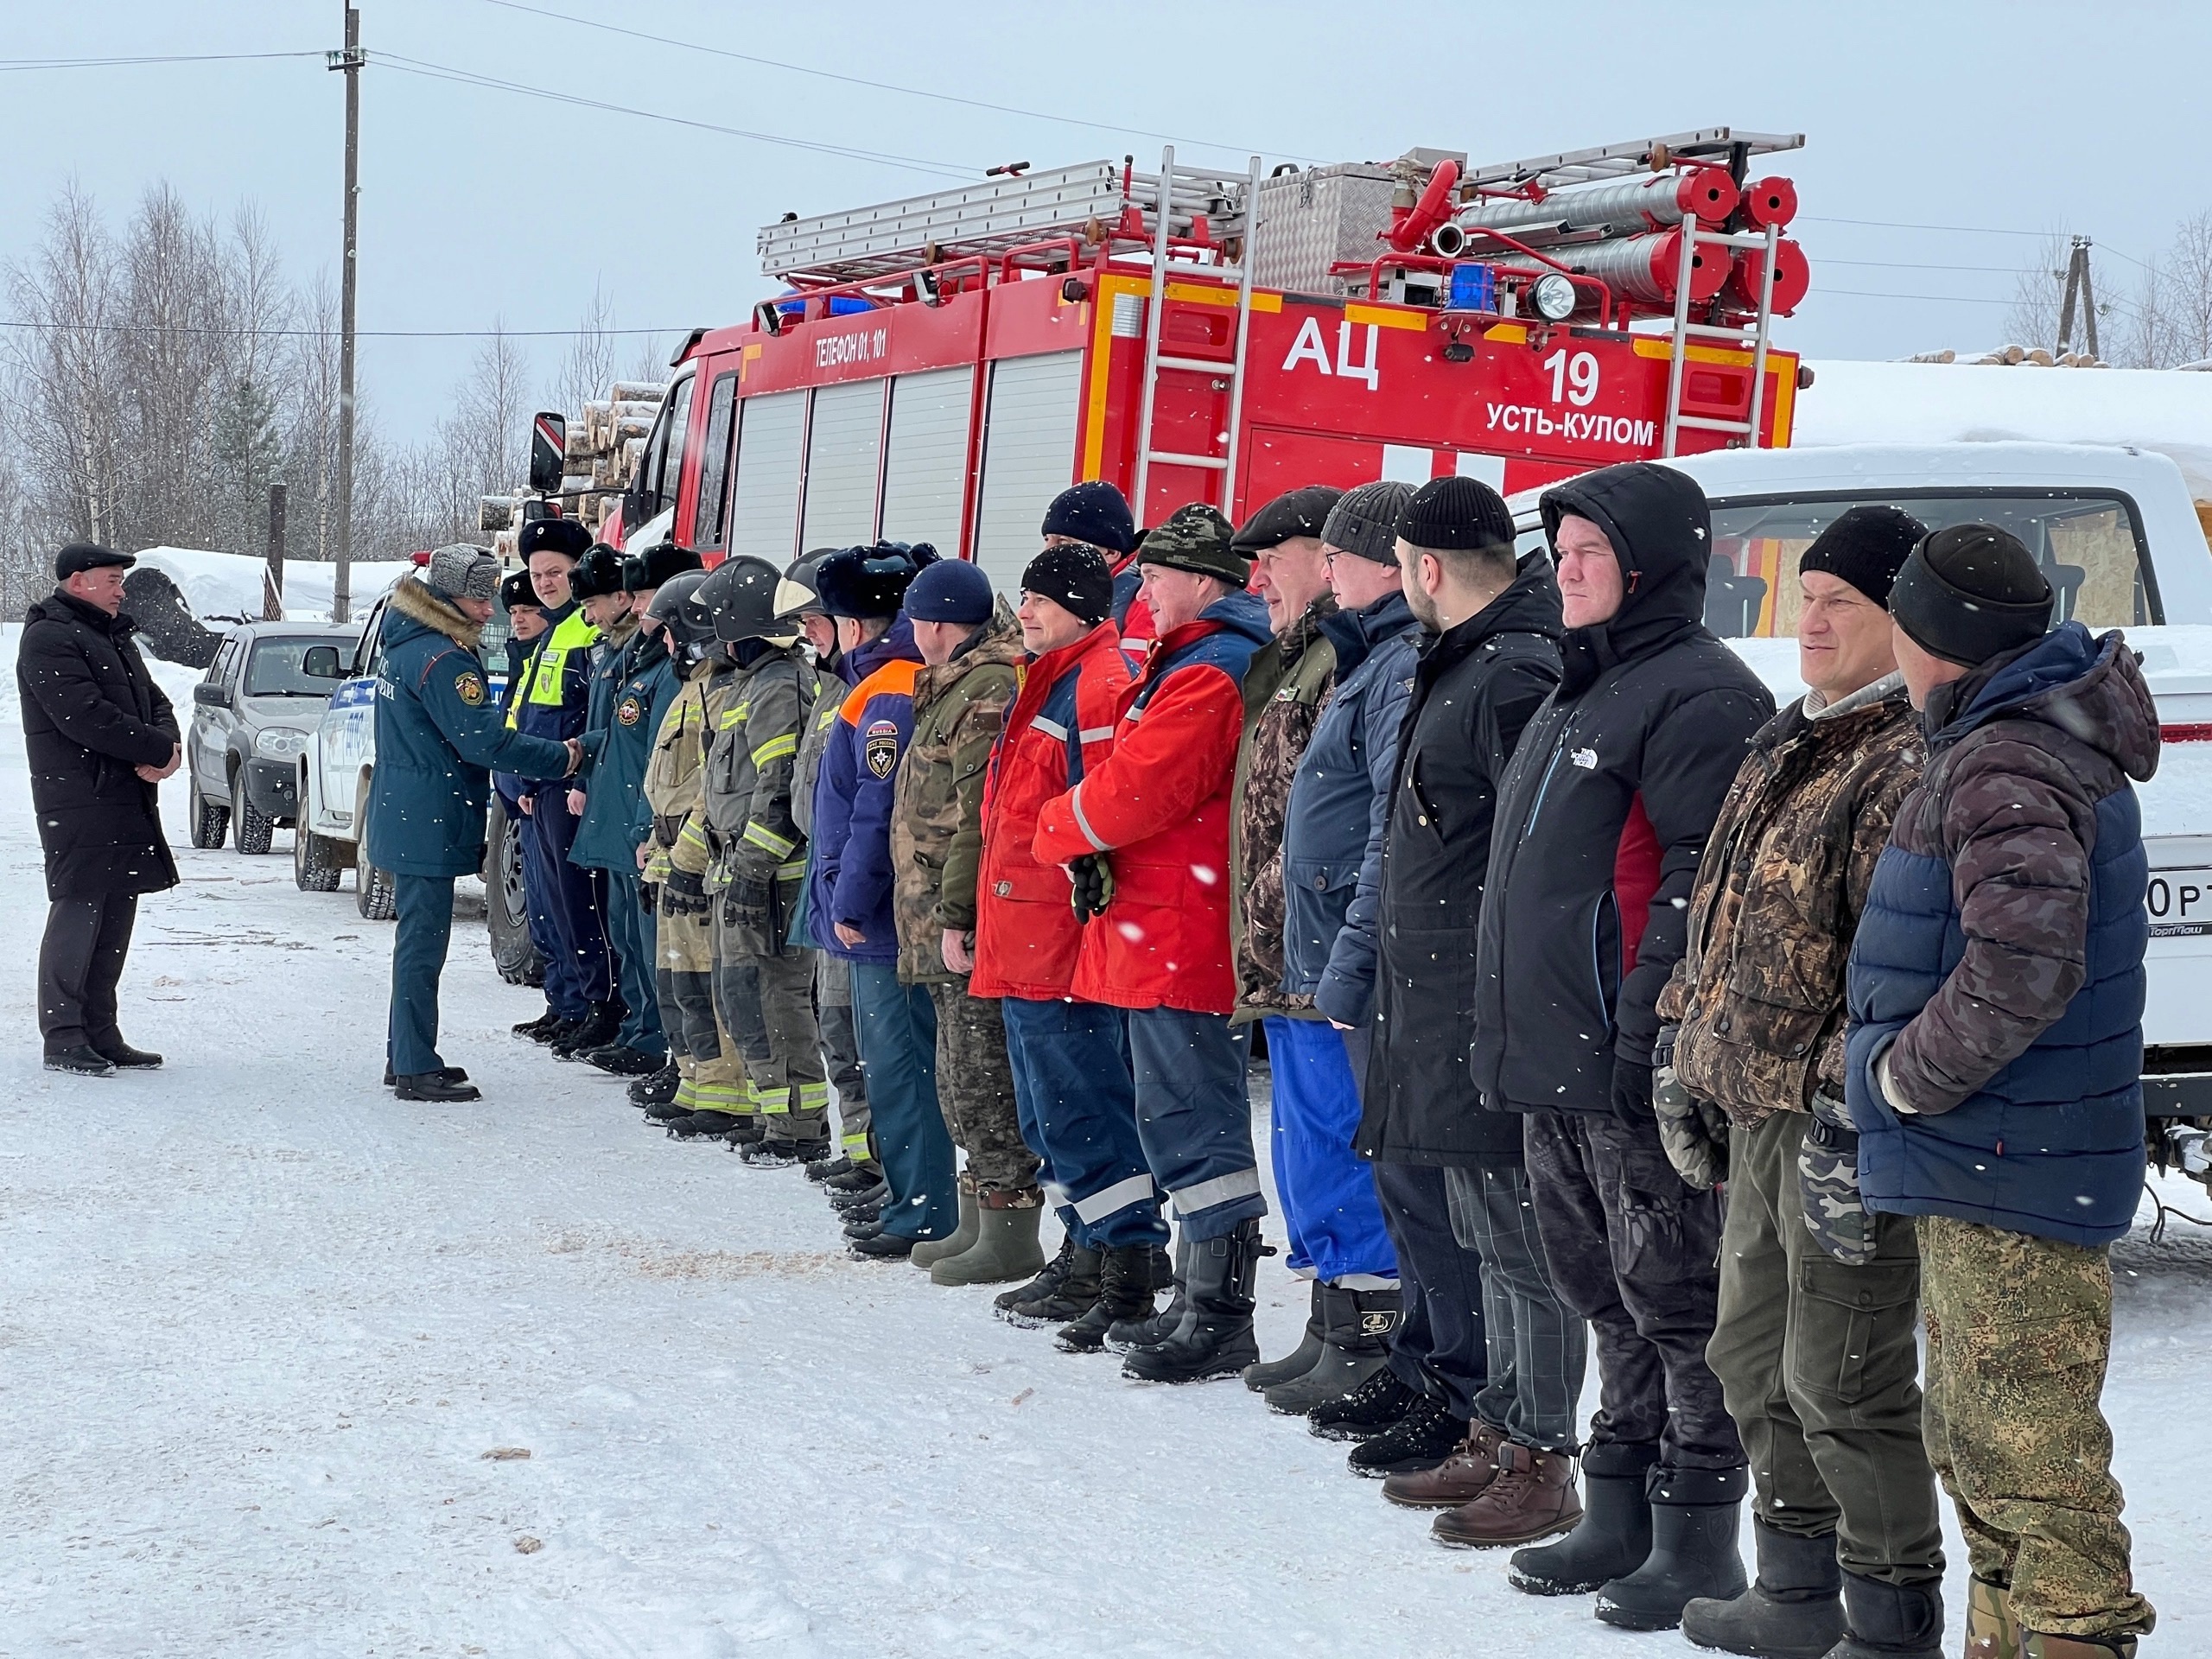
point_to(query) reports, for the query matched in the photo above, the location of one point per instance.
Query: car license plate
(2180, 903)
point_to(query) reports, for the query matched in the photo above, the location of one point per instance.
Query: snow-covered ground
(264, 1329)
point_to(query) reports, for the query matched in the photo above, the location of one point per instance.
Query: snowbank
(2158, 409)
(226, 586)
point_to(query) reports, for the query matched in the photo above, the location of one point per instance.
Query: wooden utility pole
(349, 61)
(2077, 287)
(272, 597)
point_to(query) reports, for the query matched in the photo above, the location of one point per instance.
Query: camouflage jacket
(749, 783)
(1289, 679)
(1759, 992)
(936, 814)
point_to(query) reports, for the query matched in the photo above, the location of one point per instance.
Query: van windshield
(2090, 545)
(275, 670)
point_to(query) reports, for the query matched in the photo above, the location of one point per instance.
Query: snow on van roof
(226, 586)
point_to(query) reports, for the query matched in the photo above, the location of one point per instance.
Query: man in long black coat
(100, 737)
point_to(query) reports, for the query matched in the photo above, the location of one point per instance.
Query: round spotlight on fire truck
(926, 287)
(1551, 297)
(1074, 289)
(770, 318)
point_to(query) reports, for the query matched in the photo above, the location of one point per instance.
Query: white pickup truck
(2118, 536)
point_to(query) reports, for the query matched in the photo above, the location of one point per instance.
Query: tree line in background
(162, 374)
(2155, 317)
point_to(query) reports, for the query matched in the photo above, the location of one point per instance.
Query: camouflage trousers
(2019, 1331)
(1820, 1368)
(768, 1004)
(974, 1090)
(710, 1075)
(840, 1054)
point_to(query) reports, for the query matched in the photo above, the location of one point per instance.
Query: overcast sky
(478, 203)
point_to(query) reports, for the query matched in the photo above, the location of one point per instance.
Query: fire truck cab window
(2089, 546)
(663, 467)
(764, 496)
(709, 527)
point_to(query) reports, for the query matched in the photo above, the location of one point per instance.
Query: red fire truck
(939, 368)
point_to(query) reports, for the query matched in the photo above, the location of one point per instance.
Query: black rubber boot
(702, 1126)
(860, 1178)
(617, 1061)
(1374, 1406)
(601, 1026)
(1214, 1337)
(1356, 1344)
(1273, 1373)
(1124, 1296)
(1168, 1274)
(1693, 1553)
(828, 1166)
(536, 1029)
(1046, 1282)
(657, 1088)
(1068, 1298)
(1612, 1539)
(1885, 1621)
(559, 1031)
(82, 1058)
(665, 1112)
(1794, 1609)
(847, 1200)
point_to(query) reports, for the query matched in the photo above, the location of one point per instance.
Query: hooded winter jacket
(439, 736)
(1997, 978)
(937, 817)
(848, 880)
(1758, 994)
(1606, 807)
(1059, 726)
(92, 715)
(1340, 808)
(1285, 684)
(1159, 806)
(1475, 688)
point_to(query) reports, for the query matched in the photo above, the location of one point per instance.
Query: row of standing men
(1025, 878)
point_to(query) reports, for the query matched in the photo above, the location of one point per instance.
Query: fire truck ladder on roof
(1714, 146)
(1754, 335)
(1173, 181)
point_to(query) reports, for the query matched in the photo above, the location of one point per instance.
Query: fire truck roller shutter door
(925, 466)
(764, 512)
(844, 450)
(1029, 438)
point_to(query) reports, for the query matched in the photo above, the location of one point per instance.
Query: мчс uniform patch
(628, 711)
(468, 686)
(880, 748)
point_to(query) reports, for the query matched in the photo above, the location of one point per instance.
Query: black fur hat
(656, 565)
(870, 582)
(598, 573)
(553, 536)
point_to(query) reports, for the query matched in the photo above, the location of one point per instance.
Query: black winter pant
(1636, 1252)
(80, 963)
(1440, 1346)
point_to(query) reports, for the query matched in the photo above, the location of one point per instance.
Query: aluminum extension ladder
(1155, 360)
(1756, 334)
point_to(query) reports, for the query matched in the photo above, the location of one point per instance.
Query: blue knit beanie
(1093, 512)
(951, 590)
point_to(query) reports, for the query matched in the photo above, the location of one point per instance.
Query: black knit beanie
(1457, 514)
(1075, 576)
(1971, 592)
(1866, 547)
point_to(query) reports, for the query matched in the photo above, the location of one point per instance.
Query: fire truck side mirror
(549, 452)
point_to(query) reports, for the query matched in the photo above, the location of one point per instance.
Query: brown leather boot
(2035, 1646)
(1460, 1478)
(1533, 1497)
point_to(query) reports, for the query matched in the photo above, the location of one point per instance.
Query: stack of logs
(2015, 356)
(604, 446)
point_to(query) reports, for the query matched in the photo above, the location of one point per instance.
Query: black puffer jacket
(91, 716)
(1475, 688)
(1606, 808)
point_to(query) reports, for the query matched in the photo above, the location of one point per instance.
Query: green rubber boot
(1006, 1247)
(962, 1237)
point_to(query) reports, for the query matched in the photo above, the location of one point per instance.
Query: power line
(873, 85)
(12, 64)
(470, 77)
(1900, 265)
(1935, 299)
(1896, 225)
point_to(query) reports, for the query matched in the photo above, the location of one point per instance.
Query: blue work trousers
(1195, 1118)
(897, 1026)
(572, 937)
(424, 907)
(630, 936)
(1078, 1108)
(1441, 1346)
(1330, 1209)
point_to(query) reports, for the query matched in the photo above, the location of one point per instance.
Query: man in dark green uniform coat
(439, 736)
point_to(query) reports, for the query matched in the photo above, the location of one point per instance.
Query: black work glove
(746, 903)
(684, 894)
(1631, 1091)
(1093, 880)
(648, 897)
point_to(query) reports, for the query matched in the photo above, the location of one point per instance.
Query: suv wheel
(374, 895)
(254, 829)
(211, 822)
(313, 869)
(507, 911)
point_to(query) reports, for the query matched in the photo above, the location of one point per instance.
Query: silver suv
(252, 714)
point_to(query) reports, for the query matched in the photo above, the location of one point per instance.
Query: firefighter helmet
(740, 597)
(675, 608)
